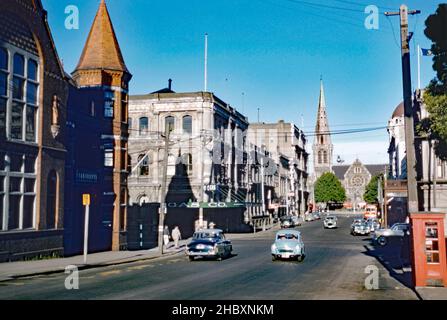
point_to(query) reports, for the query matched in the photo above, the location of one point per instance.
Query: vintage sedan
(330, 222)
(288, 245)
(209, 243)
(360, 228)
(381, 236)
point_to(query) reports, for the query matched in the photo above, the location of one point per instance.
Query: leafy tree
(435, 96)
(371, 195)
(328, 189)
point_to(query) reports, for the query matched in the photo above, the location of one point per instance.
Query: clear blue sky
(273, 51)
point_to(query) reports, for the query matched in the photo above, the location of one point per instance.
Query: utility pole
(163, 207)
(408, 105)
(202, 187)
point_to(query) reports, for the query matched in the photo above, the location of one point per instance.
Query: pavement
(335, 267)
(432, 293)
(20, 269)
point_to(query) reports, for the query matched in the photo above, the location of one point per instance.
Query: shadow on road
(395, 257)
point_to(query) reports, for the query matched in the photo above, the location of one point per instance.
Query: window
(143, 160)
(129, 122)
(17, 191)
(187, 124)
(169, 124)
(24, 93)
(108, 109)
(325, 157)
(320, 157)
(187, 163)
(108, 155)
(144, 125)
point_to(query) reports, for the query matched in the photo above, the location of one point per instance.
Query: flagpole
(419, 67)
(206, 62)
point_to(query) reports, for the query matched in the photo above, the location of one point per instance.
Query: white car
(330, 222)
(288, 245)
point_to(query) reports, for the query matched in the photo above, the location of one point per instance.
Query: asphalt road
(334, 268)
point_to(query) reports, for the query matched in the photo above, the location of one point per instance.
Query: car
(381, 236)
(287, 222)
(373, 224)
(309, 217)
(288, 245)
(330, 222)
(209, 243)
(360, 228)
(317, 216)
(297, 221)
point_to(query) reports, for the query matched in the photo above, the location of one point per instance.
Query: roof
(399, 111)
(288, 231)
(101, 50)
(322, 125)
(210, 230)
(374, 169)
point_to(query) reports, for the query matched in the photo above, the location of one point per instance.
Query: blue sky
(267, 54)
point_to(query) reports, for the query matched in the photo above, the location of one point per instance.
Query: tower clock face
(357, 181)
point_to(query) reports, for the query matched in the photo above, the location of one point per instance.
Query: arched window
(187, 124)
(169, 123)
(171, 165)
(51, 211)
(144, 125)
(130, 124)
(320, 158)
(143, 169)
(325, 158)
(322, 139)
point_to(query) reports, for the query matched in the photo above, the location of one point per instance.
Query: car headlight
(274, 247)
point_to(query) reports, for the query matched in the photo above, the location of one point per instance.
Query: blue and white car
(288, 245)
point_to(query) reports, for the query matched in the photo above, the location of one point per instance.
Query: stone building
(397, 149)
(431, 169)
(207, 151)
(98, 137)
(33, 98)
(356, 177)
(286, 145)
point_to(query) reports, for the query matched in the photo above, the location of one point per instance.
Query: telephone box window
(431, 242)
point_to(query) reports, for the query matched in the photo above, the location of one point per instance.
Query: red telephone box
(429, 249)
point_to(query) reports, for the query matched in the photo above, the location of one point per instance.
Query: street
(333, 269)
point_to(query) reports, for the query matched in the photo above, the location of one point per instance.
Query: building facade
(286, 145)
(97, 161)
(207, 149)
(33, 97)
(397, 149)
(356, 177)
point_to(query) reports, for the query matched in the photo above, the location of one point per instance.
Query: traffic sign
(86, 199)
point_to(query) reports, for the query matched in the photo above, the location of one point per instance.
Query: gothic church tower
(322, 147)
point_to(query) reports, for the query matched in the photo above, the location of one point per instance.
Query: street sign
(86, 199)
(221, 205)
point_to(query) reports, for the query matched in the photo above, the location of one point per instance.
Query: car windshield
(207, 235)
(287, 236)
(330, 218)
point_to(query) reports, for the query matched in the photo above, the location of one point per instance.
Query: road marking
(109, 273)
(17, 283)
(140, 267)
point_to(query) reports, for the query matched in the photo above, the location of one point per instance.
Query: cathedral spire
(322, 126)
(102, 50)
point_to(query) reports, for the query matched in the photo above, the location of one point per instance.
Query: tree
(371, 195)
(328, 189)
(435, 97)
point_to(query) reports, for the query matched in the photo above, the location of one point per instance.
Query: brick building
(98, 133)
(33, 96)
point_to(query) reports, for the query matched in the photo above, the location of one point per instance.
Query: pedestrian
(176, 236)
(166, 236)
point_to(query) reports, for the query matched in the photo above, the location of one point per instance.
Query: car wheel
(191, 258)
(273, 258)
(300, 258)
(219, 258)
(382, 241)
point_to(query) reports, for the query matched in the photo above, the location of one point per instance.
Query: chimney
(170, 84)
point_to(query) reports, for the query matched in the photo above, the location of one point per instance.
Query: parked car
(317, 216)
(209, 243)
(360, 228)
(288, 245)
(381, 236)
(309, 217)
(373, 224)
(330, 222)
(297, 221)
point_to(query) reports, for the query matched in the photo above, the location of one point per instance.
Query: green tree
(435, 97)
(371, 195)
(328, 189)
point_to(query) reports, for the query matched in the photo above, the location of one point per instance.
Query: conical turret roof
(101, 50)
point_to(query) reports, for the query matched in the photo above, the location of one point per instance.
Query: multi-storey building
(207, 158)
(33, 97)
(286, 144)
(397, 149)
(98, 134)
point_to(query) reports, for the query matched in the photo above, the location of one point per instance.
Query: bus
(370, 212)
